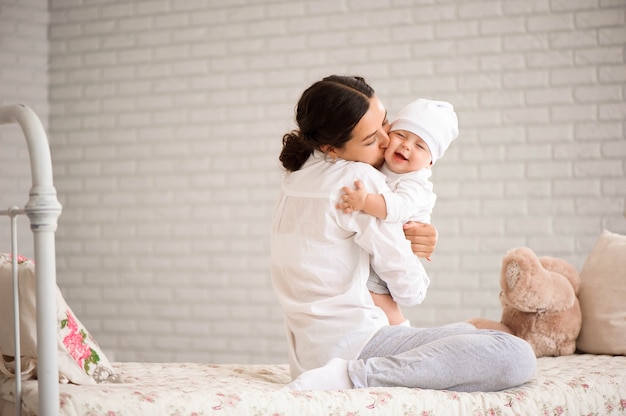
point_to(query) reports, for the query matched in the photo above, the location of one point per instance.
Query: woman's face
(369, 137)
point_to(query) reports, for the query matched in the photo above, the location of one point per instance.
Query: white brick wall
(166, 119)
(23, 79)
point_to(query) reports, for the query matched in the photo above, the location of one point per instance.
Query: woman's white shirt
(320, 259)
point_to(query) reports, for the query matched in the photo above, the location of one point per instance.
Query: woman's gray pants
(456, 357)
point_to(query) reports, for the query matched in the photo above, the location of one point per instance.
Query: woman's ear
(329, 150)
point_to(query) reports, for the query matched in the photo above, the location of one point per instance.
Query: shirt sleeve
(412, 200)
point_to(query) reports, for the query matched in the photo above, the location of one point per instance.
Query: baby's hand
(353, 200)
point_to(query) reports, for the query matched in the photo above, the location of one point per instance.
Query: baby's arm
(359, 200)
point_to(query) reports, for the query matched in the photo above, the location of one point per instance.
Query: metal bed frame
(43, 210)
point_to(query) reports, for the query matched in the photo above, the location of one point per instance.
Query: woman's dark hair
(327, 113)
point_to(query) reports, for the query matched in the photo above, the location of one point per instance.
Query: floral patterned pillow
(81, 361)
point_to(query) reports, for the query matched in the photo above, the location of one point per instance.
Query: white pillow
(81, 361)
(603, 297)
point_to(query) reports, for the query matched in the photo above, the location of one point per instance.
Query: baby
(418, 137)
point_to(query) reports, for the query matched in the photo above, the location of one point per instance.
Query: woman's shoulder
(363, 167)
(365, 173)
(359, 167)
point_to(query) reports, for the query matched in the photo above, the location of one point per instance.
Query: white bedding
(568, 385)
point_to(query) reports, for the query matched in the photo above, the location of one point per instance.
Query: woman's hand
(423, 238)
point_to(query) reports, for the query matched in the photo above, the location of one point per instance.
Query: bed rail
(43, 210)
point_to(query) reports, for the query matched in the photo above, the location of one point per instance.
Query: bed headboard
(43, 210)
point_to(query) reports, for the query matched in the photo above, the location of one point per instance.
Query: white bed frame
(43, 209)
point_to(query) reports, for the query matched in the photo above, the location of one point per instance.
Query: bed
(77, 379)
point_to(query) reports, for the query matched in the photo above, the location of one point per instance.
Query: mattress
(582, 384)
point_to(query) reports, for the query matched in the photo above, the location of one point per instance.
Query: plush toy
(539, 300)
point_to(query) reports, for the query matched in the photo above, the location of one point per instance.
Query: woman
(320, 261)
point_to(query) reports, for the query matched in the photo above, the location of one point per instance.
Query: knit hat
(434, 121)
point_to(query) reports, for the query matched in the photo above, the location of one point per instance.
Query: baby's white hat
(434, 121)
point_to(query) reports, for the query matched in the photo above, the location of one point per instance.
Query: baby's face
(407, 152)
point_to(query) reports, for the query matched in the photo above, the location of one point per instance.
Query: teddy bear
(539, 300)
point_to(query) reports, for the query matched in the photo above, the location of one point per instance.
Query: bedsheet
(570, 385)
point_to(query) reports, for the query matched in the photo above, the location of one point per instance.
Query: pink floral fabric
(569, 385)
(80, 359)
(75, 342)
(20, 259)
